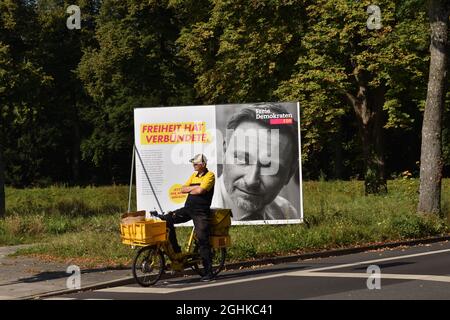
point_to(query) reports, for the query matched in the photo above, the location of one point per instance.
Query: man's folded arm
(197, 190)
(204, 187)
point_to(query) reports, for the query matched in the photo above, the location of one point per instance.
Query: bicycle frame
(178, 261)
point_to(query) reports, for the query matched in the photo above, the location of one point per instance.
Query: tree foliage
(132, 64)
(243, 49)
(345, 66)
(23, 85)
(67, 96)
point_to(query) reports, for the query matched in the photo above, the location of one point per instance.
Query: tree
(132, 65)
(2, 135)
(241, 50)
(60, 51)
(322, 54)
(2, 185)
(431, 161)
(22, 85)
(345, 64)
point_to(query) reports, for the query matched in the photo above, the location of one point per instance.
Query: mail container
(220, 222)
(146, 232)
(220, 241)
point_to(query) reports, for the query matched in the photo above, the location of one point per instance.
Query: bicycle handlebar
(156, 214)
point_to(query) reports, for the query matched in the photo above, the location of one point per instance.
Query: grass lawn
(81, 225)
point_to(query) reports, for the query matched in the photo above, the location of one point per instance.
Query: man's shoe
(208, 277)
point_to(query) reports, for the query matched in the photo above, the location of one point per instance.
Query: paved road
(420, 272)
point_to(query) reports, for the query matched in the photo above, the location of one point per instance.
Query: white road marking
(125, 289)
(376, 260)
(65, 298)
(421, 277)
(160, 290)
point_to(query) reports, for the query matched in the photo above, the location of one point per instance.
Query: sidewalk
(25, 277)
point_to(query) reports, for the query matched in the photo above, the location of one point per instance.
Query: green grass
(80, 225)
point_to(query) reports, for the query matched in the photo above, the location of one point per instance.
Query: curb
(97, 286)
(336, 252)
(258, 262)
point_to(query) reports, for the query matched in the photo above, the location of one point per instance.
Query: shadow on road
(231, 276)
(52, 275)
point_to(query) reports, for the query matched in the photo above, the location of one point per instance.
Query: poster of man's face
(259, 168)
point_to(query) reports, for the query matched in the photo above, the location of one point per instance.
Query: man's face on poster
(256, 165)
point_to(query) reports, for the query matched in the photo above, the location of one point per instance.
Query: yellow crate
(220, 222)
(220, 241)
(144, 233)
(127, 231)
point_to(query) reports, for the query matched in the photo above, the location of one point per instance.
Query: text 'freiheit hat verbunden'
(199, 158)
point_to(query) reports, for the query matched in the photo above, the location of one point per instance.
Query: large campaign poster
(165, 139)
(253, 149)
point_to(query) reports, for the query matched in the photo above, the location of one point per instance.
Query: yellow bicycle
(157, 256)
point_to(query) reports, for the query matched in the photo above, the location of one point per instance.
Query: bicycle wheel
(148, 266)
(218, 255)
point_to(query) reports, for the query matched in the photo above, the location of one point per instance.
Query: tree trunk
(2, 185)
(431, 151)
(369, 113)
(338, 154)
(76, 154)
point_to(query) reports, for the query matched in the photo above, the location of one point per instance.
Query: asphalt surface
(419, 272)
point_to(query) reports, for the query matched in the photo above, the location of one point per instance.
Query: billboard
(253, 149)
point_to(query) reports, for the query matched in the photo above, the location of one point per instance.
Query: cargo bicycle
(156, 256)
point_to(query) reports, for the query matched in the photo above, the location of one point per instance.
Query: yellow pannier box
(220, 221)
(220, 241)
(142, 232)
